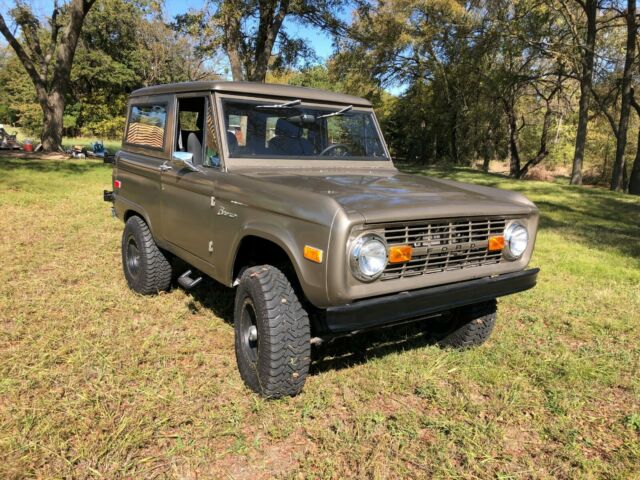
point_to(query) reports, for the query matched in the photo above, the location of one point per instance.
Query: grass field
(98, 382)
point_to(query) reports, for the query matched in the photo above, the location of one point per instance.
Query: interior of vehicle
(271, 130)
(190, 127)
(195, 132)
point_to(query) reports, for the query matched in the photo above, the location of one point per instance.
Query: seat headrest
(232, 141)
(287, 129)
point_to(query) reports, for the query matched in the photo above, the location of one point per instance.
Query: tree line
(528, 82)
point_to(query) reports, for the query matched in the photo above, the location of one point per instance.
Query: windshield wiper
(335, 114)
(290, 104)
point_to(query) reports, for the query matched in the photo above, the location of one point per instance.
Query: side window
(195, 132)
(147, 126)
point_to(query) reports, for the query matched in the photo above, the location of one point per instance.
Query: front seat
(288, 140)
(232, 142)
(194, 146)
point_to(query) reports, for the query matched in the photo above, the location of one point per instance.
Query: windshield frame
(260, 162)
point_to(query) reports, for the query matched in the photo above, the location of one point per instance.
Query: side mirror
(184, 160)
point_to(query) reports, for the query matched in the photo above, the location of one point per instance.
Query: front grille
(443, 245)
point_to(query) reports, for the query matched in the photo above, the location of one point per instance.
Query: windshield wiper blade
(335, 114)
(290, 104)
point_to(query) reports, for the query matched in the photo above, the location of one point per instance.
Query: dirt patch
(34, 155)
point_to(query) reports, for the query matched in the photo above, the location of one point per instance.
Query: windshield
(292, 131)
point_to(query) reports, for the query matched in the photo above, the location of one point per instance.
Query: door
(188, 201)
(145, 148)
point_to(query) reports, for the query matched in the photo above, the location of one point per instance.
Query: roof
(265, 89)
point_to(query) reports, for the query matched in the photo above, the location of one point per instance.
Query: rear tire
(470, 326)
(146, 267)
(272, 333)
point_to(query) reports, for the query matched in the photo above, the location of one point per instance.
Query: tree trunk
(619, 167)
(586, 79)
(453, 139)
(53, 111)
(634, 180)
(544, 151)
(514, 154)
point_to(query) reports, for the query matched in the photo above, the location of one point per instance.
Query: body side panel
(284, 215)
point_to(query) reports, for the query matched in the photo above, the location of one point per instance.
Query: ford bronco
(290, 195)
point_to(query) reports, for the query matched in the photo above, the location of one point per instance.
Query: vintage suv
(289, 194)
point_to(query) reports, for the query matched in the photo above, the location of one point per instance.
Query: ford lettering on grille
(441, 245)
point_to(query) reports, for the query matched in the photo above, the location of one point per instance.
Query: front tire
(272, 333)
(470, 326)
(145, 266)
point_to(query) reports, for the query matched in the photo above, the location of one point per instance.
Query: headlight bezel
(354, 256)
(509, 235)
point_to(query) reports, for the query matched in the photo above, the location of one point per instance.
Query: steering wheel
(335, 146)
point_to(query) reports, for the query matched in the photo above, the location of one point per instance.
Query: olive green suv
(290, 195)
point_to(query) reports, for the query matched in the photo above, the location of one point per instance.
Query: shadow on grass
(360, 348)
(335, 353)
(49, 166)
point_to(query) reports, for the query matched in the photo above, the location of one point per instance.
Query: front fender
(291, 239)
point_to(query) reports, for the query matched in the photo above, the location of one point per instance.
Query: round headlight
(368, 257)
(516, 239)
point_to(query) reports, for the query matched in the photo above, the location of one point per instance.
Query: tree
(251, 32)
(586, 43)
(634, 179)
(48, 61)
(617, 178)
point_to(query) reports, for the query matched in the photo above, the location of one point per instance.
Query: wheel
(469, 326)
(271, 333)
(146, 267)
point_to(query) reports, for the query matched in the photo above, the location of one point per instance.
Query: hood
(390, 195)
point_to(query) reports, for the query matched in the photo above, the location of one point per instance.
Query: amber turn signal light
(400, 253)
(312, 253)
(496, 243)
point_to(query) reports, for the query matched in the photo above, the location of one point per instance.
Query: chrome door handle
(164, 167)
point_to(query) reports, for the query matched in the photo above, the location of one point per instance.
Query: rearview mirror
(302, 120)
(184, 160)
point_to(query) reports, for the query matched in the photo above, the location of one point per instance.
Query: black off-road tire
(471, 326)
(276, 363)
(146, 268)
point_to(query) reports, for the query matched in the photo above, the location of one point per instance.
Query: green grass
(98, 382)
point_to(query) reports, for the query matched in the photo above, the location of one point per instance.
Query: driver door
(188, 218)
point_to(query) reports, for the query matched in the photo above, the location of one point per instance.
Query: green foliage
(107, 128)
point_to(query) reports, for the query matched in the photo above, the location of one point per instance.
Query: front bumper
(414, 304)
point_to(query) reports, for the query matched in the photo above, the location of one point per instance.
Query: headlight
(368, 257)
(516, 239)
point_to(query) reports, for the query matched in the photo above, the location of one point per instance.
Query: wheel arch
(255, 248)
(137, 212)
(258, 247)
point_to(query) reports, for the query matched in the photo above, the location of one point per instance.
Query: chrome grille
(443, 245)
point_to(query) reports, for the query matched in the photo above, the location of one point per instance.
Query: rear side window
(147, 126)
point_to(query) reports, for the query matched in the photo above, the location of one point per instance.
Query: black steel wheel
(146, 268)
(272, 333)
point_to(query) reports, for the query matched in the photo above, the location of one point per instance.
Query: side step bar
(186, 282)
